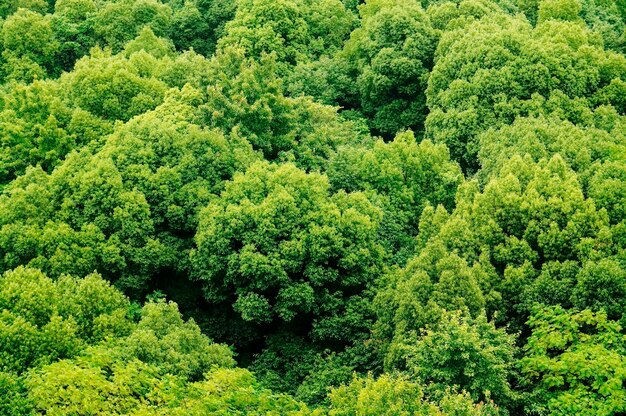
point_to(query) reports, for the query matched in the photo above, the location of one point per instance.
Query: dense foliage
(313, 207)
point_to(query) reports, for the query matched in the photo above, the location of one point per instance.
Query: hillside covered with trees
(313, 207)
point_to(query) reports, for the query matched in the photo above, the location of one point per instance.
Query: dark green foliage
(199, 24)
(382, 70)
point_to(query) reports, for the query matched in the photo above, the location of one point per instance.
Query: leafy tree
(583, 147)
(574, 362)
(117, 22)
(13, 396)
(382, 70)
(456, 14)
(470, 354)
(529, 230)
(512, 70)
(559, 9)
(72, 26)
(397, 395)
(247, 97)
(150, 367)
(199, 24)
(9, 7)
(391, 54)
(604, 17)
(402, 176)
(128, 210)
(79, 351)
(295, 30)
(280, 248)
(39, 128)
(28, 46)
(115, 87)
(44, 320)
(418, 296)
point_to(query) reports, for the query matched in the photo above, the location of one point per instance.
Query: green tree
(575, 363)
(39, 128)
(199, 24)
(514, 70)
(382, 70)
(44, 320)
(117, 22)
(73, 29)
(469, 354)
(295, 30)
(13, 396)
(128, 210)
(280, 248)
(246, 96)
(151, 367)
(115, 87)
(397, 395)
(402, 177)
(29, 46)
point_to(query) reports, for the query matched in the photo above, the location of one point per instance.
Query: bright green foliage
(575, 362)
(559, 9)
(29, 47)
(129, 210)
(418, 295)
(43, 320)
(163, 339)
(384, 396)
(582, 147)
(228, 392)
(247, 98)
(147, 41)
(402, 176)
(605, 17)
(456, 14)
(398, 396)
(220, 153)
(108, 363)
(39, 128)
(523, 239)
(145, 373)
(500, 68)
(119, 21)
(601, 286)
(468, 354)
(294, 30)
(279, 247)
(114, 87)
(151, 366)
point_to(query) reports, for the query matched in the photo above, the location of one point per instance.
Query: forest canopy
(313, 207)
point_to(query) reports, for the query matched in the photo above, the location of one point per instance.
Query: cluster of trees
(303, 207)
